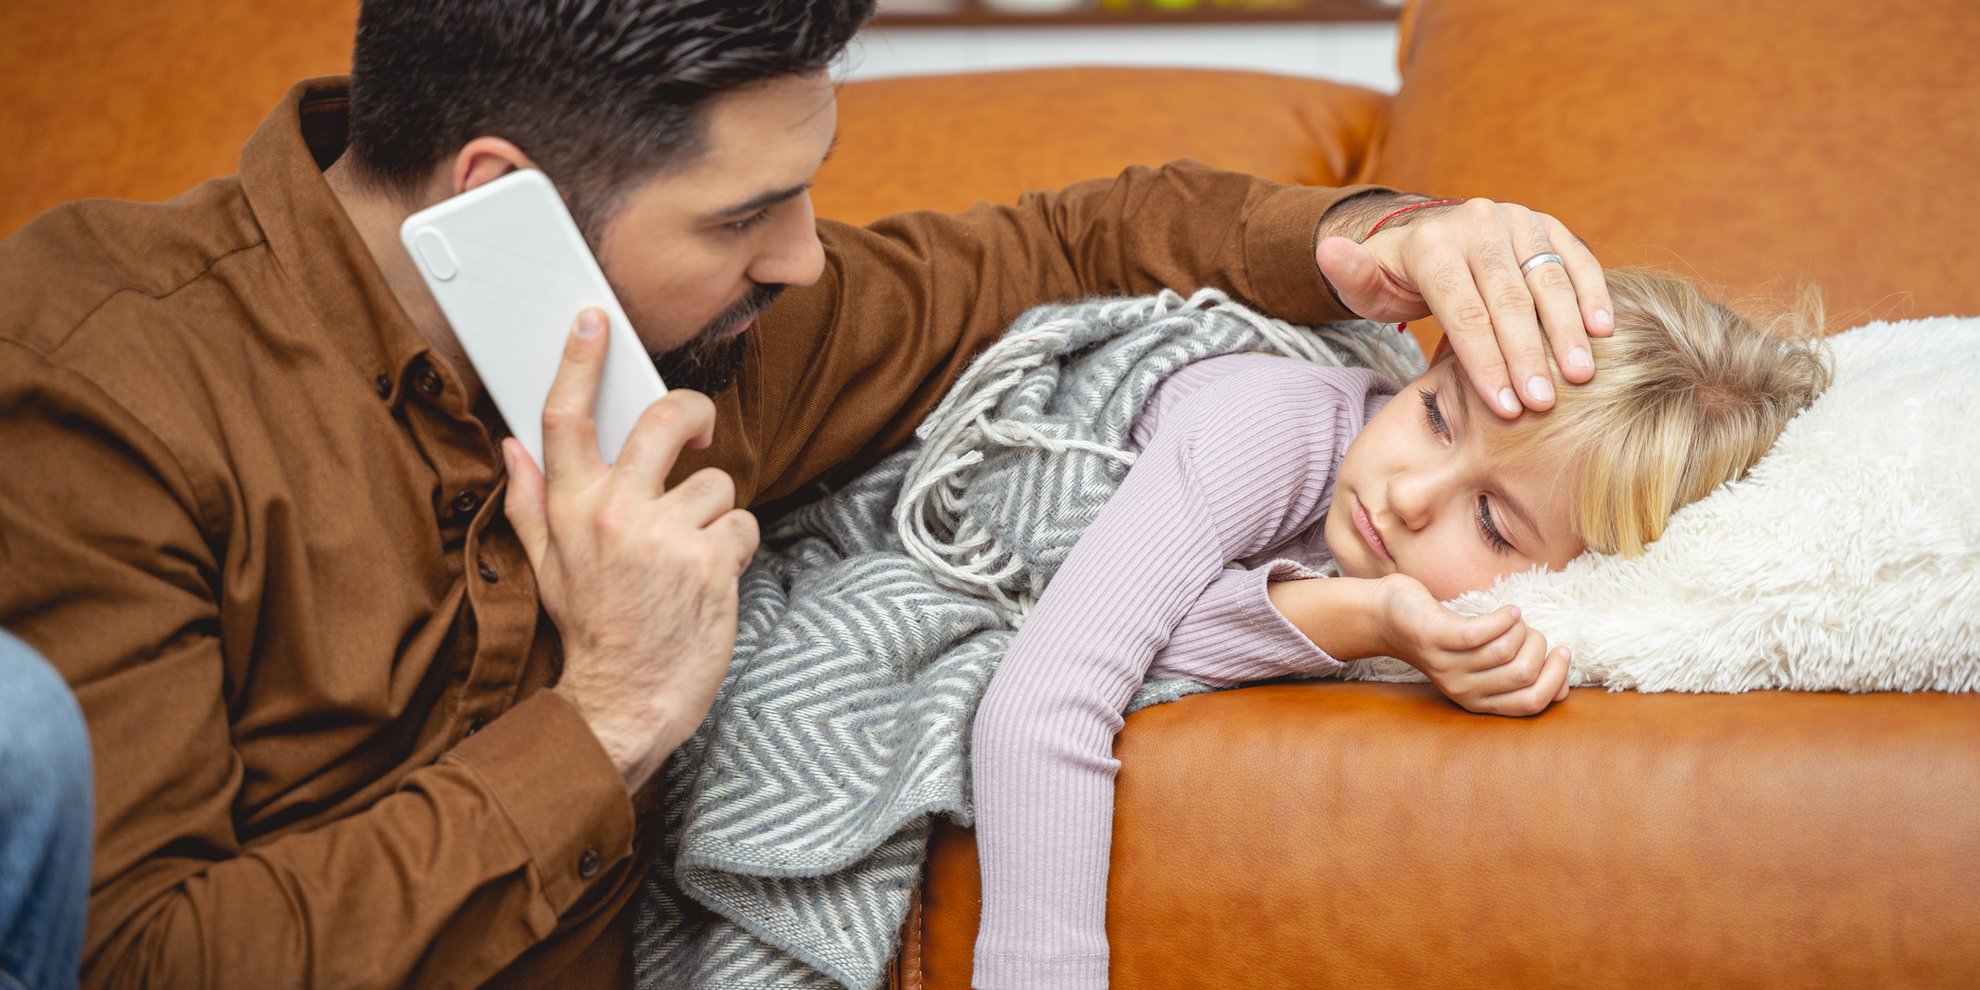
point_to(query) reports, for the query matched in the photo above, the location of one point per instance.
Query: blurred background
(1345, 40)
(143, 98)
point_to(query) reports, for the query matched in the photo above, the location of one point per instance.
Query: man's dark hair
(601, 93)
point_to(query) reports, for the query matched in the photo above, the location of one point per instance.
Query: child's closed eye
(1433, 417)
(1490, 530)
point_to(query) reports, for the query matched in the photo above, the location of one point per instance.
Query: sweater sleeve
(1234, 634)
(1240, 466)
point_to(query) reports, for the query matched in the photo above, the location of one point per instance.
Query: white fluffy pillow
(1848, 558)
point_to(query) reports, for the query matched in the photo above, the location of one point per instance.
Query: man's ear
(485, 158)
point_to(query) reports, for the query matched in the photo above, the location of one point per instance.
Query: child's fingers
(1470, 633)
(1551, 686)
(1497, 653)
(1522, 671)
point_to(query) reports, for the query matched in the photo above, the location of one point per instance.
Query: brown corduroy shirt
(249, 513)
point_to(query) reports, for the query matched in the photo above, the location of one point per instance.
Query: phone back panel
(511, 272)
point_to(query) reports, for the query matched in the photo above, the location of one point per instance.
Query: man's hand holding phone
(640, 579)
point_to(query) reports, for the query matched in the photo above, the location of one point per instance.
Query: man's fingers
(738, 529)
(674, 421)
(570, 437)
(1466, 266)
(700, 500)
(524, 502)
(1449, 287)
(1591, 289)
(1554, 298)
(1514, 322)
(1574, 300)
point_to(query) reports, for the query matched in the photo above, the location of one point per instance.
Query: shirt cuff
(552, 778)
(1279, 241)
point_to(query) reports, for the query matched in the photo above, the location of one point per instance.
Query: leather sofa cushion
(1373, 835)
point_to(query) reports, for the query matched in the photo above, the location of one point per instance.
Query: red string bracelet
(1403, 327)
(1413, 206)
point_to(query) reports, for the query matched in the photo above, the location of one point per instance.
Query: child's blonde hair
(1687, 395)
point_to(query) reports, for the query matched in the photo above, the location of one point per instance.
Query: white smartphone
(511, 272)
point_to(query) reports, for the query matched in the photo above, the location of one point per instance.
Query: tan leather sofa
(1328, 834)
(1343, 835)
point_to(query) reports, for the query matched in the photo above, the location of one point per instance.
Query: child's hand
(1494, 663)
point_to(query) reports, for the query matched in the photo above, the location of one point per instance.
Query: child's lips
(1369, 534)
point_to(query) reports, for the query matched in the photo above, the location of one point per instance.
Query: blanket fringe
(931, 518)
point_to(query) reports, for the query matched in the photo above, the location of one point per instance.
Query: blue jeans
(45, 822)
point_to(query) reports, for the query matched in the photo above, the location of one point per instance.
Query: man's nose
(794, 256)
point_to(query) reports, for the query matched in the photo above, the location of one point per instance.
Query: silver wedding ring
(1543, 258)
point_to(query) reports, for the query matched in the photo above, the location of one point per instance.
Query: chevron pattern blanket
(795, 820)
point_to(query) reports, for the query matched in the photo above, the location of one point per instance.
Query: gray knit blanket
(796, 820)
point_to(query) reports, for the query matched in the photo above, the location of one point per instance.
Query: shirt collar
(319, 249)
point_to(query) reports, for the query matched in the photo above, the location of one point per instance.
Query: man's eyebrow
(1462, 416)
(773, 197)
(764, 201)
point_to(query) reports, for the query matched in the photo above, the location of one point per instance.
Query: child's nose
(1410, 498)
(1416, 492)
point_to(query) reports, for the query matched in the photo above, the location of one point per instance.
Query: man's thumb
(1351, 269)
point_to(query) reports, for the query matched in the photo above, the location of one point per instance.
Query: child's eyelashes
(1489, 529)
(1433, 416)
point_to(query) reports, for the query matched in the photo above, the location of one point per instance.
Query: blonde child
(1257, 472)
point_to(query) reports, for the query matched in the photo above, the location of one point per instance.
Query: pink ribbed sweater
(1238, 455)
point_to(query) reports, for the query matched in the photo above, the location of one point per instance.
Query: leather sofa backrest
(946, 142)
(1742, 143)
(143, 100)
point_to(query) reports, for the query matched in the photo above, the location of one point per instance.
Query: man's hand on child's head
(1505, 282)
(1493, 664)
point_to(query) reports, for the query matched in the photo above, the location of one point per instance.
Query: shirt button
(475, 726)
(429, 382)
(588, 864)
(384, 386)
(466, 502)
(488, 572)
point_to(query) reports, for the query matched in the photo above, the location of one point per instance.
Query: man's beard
(709, 362)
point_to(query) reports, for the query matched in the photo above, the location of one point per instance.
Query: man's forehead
(762, 139)
(796, 108)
